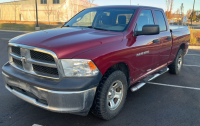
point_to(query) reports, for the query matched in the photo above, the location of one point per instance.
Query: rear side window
(161, 20)
(145, 18)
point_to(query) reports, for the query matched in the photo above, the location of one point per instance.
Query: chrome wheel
(180, 61)
(115, 95)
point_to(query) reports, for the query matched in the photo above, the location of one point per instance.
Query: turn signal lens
(91, 65)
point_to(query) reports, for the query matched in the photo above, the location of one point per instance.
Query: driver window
(86, 20)
(145, 18)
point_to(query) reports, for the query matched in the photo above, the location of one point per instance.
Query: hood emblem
(23, 59)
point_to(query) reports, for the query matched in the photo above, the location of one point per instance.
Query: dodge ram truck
(89, 63)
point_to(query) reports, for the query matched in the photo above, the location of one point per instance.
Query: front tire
(110, 95)
(176, 66)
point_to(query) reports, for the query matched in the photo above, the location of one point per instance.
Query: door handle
(156, 41)
(169, 38)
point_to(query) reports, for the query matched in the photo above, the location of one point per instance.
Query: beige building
(48, 10)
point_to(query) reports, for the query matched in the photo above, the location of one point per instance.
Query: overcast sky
(188, 4)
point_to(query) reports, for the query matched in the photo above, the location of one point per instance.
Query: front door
(146, 50)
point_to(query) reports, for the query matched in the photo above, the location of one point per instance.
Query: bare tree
(77, 4)
(72, 8)
(193, 15)
(189, 13)
(48, 11)
(14, 4)
(91, 2)
(0, 13)
(169, 4)
(178, 16)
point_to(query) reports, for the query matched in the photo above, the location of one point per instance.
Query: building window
(56, 1)
(43, 1)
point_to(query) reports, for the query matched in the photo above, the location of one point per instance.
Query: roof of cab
(125, 6)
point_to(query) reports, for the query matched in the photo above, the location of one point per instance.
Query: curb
(194, 47)
(15, 31)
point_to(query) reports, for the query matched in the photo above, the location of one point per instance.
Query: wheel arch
(122, 66)
(182, 46)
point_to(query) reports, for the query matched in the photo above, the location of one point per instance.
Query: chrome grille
(33, 60)
(41, 56)
(47, 70)
(17, 62)
(16, 50)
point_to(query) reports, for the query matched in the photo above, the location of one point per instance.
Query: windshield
(114, 19)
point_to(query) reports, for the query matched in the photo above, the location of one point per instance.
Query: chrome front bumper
(57, 101)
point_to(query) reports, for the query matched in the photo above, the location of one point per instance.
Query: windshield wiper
(98, 28)
(89, 27)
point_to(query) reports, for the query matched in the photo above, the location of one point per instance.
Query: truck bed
(178, 27)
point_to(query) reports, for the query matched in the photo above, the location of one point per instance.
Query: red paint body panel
(107, 48)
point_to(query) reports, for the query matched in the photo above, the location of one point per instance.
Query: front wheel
(176, 66)
(110, 95)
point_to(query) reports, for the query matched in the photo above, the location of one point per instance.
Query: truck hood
(68, 42)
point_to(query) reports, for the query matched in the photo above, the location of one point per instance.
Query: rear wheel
(110, 95)
(176, 66)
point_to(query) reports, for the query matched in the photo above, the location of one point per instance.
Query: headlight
(79, 67)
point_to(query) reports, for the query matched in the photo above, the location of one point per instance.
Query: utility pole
(130, 2)
(192, 12)
(182, 12)
(36, 13)
(15, 11)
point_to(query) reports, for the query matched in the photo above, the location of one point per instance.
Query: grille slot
(41, 56)
(16, 50)
(17, 62)
(47, 70)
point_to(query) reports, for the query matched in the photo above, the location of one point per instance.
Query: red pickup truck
(93, 59)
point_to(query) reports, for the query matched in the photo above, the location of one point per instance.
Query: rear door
(165, 37)
(146, 51)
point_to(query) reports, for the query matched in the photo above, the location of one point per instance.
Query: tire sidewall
(180, 53)
(116, 75)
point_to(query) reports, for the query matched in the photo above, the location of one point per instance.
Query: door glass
(145, 18)
(161, 20)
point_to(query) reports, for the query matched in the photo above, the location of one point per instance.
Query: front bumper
(76, 102)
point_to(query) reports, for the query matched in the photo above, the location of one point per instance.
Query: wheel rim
(115, 95)
(180, 62)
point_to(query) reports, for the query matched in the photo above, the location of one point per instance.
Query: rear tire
(110, 95)
(177, 64)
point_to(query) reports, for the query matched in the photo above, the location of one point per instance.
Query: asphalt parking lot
(167, 100)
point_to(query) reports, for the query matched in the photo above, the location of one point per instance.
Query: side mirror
(148, 30)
